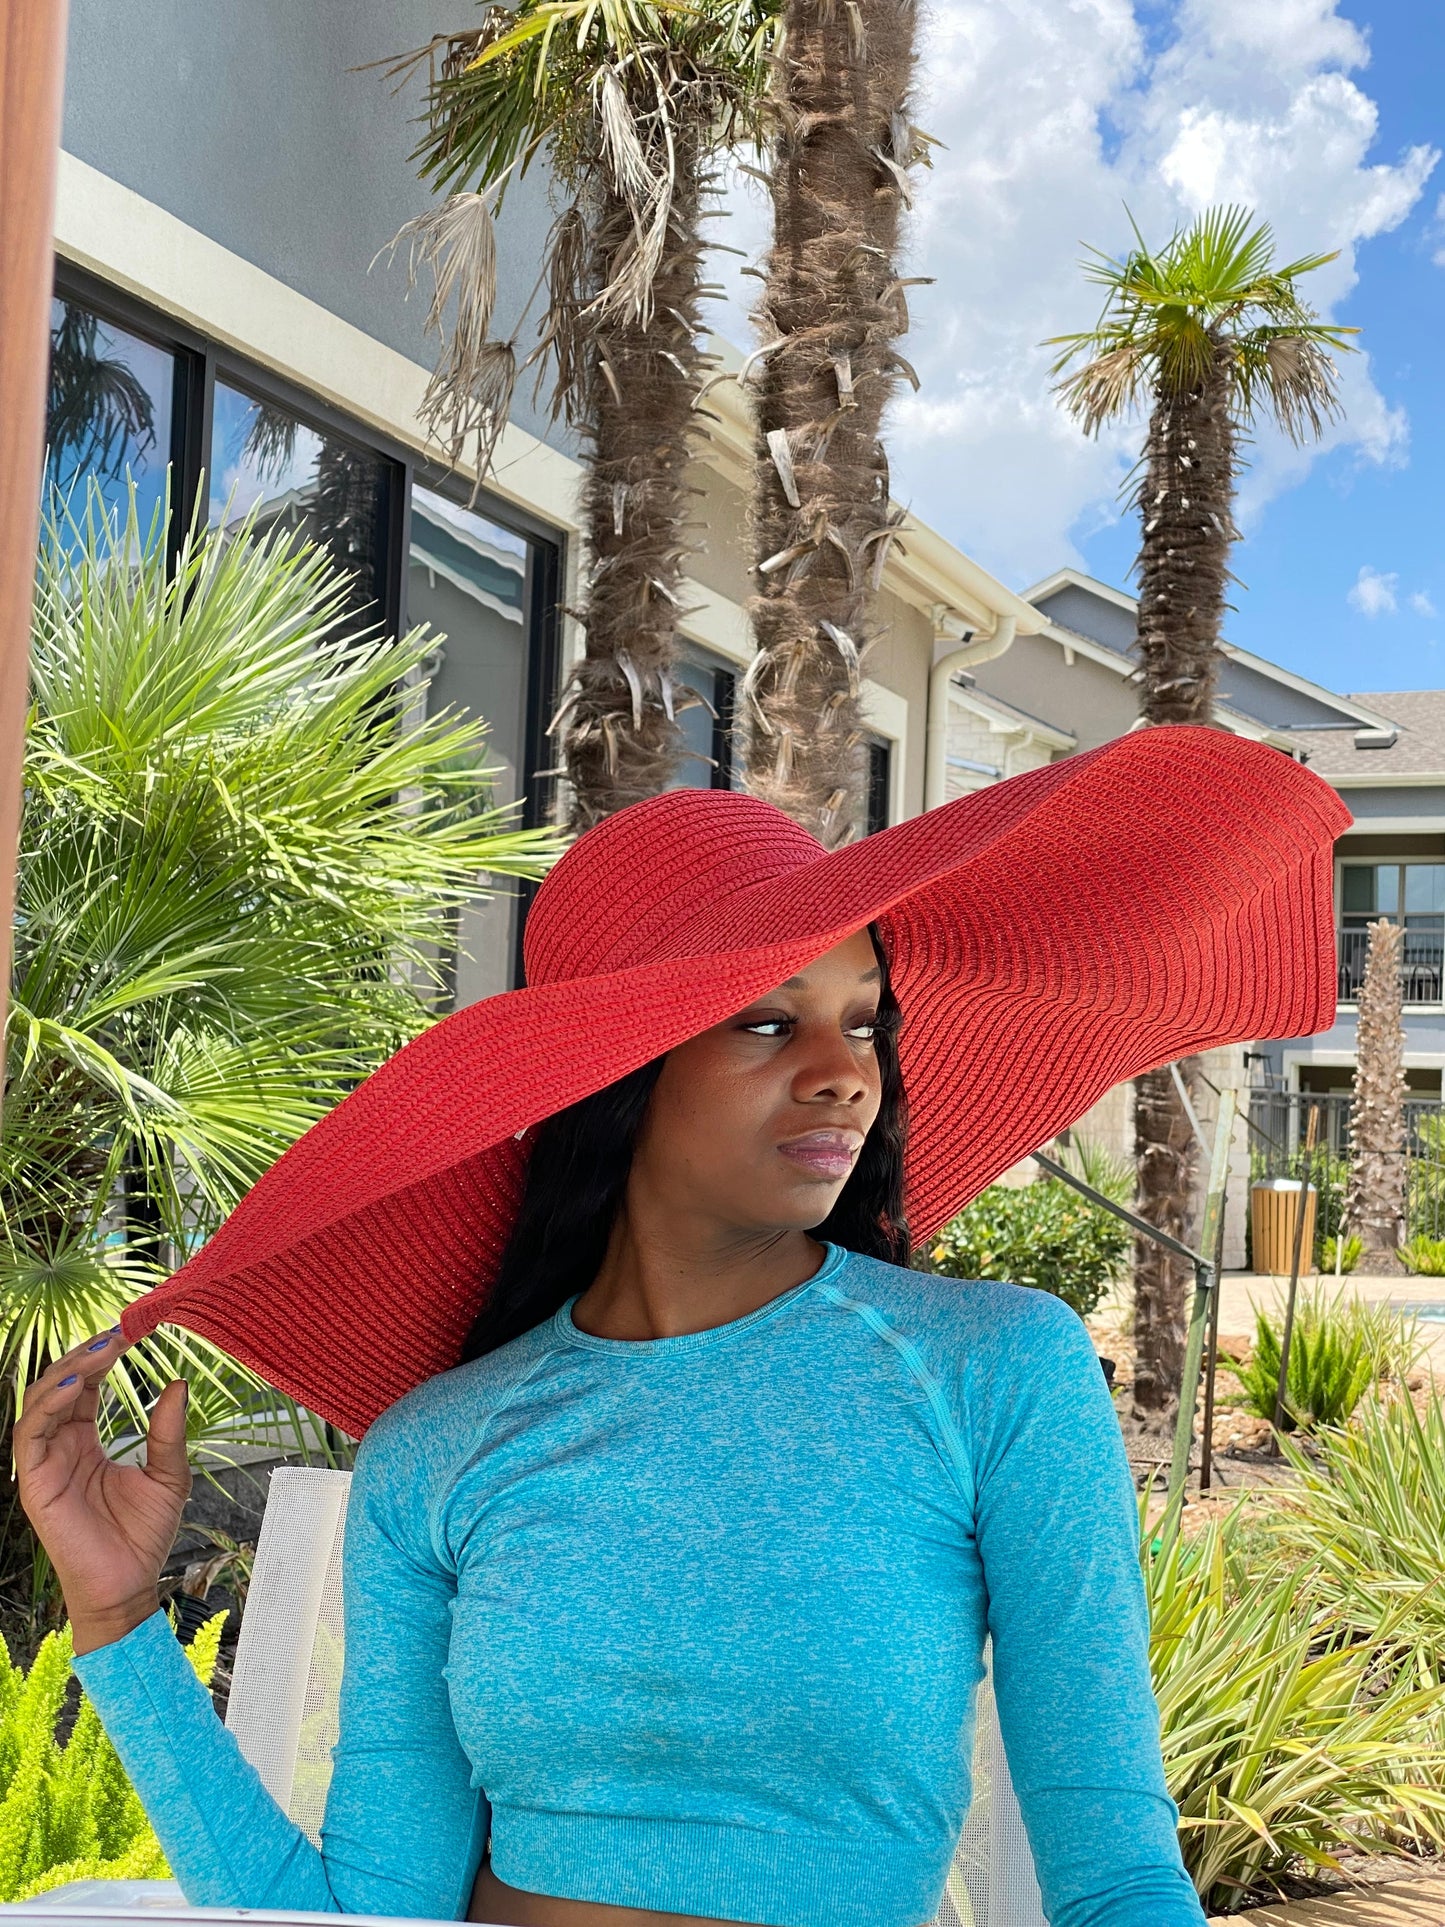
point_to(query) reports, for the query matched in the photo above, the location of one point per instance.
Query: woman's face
(757, 1123)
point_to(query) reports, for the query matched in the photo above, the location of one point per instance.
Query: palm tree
(631, 99)
(1375, 1198)
(1211, 336)
(832, 310)
(235, 856)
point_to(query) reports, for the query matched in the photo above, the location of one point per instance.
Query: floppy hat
(1047, 938)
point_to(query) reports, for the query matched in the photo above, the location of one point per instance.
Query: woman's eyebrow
(873, 976)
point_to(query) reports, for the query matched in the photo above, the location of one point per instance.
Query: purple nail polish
(113, 1330)
(71, 1380)
(99, 1345)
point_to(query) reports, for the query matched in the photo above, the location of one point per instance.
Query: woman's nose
(831, 1069)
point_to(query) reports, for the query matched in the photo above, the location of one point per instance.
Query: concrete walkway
(1403, 1903)
(1239, 1290)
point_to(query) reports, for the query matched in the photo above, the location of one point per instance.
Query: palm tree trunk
(1375, 1199)
(621, 740)
(1185, 500)
(830, 315)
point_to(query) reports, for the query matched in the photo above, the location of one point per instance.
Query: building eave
(1006, 719)
(1076, 579)
(1383, 779)
(1246, 658)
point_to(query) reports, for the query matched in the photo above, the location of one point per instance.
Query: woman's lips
(829, 1154)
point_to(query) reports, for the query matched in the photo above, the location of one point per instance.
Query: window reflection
(704, 706)
(264, 458)
(468, 579)
(108, 413)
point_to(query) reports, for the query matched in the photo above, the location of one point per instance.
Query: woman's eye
(867, 1030)
(769, 1026)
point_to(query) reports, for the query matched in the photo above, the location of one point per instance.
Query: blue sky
(1325, 116)
(1306, 548)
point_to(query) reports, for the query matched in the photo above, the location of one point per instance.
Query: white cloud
(1374, 593)
(1421, 603)
(1053, 114)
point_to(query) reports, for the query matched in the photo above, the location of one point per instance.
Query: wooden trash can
(1273, 1205)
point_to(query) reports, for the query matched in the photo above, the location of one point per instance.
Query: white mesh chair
(288, 1673)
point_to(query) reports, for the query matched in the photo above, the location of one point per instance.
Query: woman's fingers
(166, 1460)
(91, 1359)
(67, 1389)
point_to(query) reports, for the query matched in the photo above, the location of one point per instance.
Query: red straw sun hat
(1047, 937)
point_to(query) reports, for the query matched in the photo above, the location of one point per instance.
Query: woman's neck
(662, 1280)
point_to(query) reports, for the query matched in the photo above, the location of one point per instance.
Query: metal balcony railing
(1422, 968)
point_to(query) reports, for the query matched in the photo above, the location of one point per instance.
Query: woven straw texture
(1048, 937)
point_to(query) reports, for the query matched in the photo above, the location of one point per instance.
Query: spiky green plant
(1341, 1346)
(1340, 1253)
(1367, 1513)
(1424, 1255)
(1286, 1735)
(236, 852)
(68, 1812)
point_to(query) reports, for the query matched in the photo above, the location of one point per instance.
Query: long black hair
(577, 1175)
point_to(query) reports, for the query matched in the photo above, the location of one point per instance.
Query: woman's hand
(107, 1528)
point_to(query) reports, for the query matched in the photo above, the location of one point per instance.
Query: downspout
(935, 763)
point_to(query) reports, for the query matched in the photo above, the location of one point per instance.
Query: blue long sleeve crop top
(696, 1624)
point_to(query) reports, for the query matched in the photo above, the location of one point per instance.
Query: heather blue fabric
(695, 1624)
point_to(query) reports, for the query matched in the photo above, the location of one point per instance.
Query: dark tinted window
(880, 784)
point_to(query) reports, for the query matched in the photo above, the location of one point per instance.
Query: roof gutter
(963, 656)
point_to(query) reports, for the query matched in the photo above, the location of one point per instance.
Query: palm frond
(1211, 298)
(238, 858)
(613, 89)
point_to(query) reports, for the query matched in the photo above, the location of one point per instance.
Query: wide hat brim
(1048, 938)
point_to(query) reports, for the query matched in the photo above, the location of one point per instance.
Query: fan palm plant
(1210, 335)
(236, 851)
(832, 310)
(631, 99)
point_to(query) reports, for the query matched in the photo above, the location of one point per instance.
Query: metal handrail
(1206, 1285)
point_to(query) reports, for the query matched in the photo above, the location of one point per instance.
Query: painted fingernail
(113, 1330)
(99, 1345)
(71, 1380)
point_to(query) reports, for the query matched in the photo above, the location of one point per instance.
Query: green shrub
(1425, 1255)
(1367, 1514)
(1042, 1234)
(1348, 1258)
(69, 1812)
(1285, 1737)
(1339, 1347)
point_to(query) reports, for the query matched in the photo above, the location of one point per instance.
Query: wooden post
(32, 69)
(1281, 1394)
(1211, 1361)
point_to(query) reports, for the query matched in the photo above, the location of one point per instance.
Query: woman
(668, 1605)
